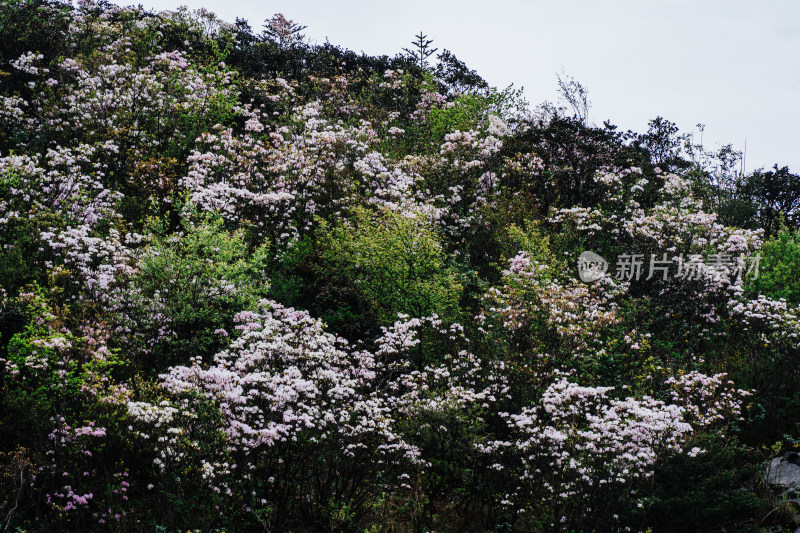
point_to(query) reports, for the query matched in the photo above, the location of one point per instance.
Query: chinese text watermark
(592, 267)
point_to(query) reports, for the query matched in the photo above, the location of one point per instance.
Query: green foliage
(29, 25)
(377, 265)
(456, 77)
(154, 103)
(452, 485)
(779, 271)
(468, 111)
(776, 192)
(712, 491)
(51, 365)
(21, 248)
(530, 239)
(195, 281)
(19, 237)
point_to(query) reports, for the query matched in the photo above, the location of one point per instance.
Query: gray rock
(784, 472)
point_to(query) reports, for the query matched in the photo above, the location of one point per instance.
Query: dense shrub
(384, 263)
(250, 283)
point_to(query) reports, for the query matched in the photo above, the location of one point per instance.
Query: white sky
(732, 65)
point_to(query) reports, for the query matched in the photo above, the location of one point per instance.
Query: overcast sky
(732, 65)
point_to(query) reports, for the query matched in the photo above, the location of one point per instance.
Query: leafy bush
(378, 264)
(779, 267)
(178, 302)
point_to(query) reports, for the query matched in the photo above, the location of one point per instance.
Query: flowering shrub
(573, 451)
(249, 282)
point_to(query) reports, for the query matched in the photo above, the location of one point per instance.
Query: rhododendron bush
(248, 283)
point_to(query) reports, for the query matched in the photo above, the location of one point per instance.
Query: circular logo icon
(591, 267)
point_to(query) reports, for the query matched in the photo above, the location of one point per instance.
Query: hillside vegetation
(249, 283)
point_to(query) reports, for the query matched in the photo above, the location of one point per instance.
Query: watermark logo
(591, 267)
